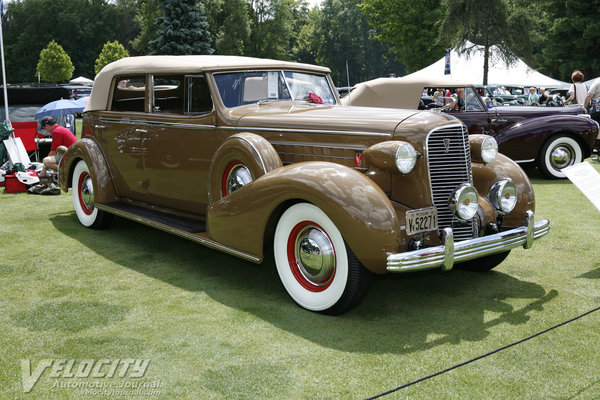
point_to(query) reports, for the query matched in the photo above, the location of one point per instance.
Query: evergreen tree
(112, 51)
(571, 38)
(183, 29)
(55, 64)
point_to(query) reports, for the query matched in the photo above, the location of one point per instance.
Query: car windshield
(240, 88)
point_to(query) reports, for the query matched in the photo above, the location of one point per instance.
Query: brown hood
(316, 117)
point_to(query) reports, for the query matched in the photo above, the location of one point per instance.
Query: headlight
(484, 148)
(464, 202)
(406, 157)
(504, 196)
(489, 149)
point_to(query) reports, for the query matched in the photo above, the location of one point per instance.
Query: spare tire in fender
(242, 158)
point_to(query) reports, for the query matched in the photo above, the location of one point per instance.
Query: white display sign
(587, 179)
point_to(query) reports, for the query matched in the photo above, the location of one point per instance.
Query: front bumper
(446, 255)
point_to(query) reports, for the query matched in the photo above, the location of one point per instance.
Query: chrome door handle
(99, 126)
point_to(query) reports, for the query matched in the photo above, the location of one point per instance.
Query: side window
(198, 95)
(472, 100)
(129, 93)
(168, 94)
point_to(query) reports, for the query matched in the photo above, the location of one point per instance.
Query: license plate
(421, 220)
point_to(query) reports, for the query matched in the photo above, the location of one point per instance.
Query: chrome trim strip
(441, 256)
(524, 161)
(186, 235)
(311, 131)
(157, 124)
(241, 128)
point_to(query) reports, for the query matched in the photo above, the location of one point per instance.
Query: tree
(229, 25)
(80, 26)
(571, 39)
(55, 64)
(146, 18)
(339, 33)
(411, 27)
(183, 29)
(485, 23)
(112, 51)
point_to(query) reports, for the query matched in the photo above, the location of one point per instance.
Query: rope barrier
(481, 356)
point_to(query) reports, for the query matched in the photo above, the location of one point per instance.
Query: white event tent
(469, 68)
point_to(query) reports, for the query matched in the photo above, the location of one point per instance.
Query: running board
(182, 227)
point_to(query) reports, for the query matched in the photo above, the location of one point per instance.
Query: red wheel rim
(292, 253)
(84, 207)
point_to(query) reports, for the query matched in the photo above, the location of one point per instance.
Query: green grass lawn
(216, 327)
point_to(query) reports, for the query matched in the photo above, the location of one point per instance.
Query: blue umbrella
(59, 107)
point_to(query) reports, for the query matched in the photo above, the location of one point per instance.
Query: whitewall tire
(314, 264)
(83, 199)
(557, 153)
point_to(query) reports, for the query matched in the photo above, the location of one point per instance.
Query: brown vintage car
(551, 137)
(242, 154)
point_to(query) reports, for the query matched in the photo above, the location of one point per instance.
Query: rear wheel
(557, 153)
(484, 264)
(316, 267)
(83, 199)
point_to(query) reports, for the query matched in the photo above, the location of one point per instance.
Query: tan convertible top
(180, 65)
(395, 92)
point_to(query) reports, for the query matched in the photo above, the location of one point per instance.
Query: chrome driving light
(464, 202)
(489, 149)
(503, 195)
(406, 157)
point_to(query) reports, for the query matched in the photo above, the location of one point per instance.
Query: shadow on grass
(401, 313)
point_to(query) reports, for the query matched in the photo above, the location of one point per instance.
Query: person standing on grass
(60, 137)
(577, 91)
(593, 96)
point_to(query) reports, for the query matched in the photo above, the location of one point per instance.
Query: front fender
(89, 151)
(358, 207)
(485, 175)
(522, 141)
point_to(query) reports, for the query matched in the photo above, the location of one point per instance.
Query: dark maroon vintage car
(552, 137)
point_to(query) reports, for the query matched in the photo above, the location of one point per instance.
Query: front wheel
(557, 153)
(83, 199)
(316, 267)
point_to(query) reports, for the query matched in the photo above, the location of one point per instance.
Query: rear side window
(129, 93)
(168, 95)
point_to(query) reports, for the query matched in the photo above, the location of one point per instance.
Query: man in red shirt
(60, 137)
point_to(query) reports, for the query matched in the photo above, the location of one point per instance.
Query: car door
(180, 141)
(473, 113)
(120, 132)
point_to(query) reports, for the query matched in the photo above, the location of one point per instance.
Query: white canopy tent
(469, 68)
(82, 80)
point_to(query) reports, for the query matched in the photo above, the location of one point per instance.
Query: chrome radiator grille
(450, 166)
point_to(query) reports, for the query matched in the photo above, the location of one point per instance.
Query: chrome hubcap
(562, 156)
(87, 193)
(316, 256)
(238, 177)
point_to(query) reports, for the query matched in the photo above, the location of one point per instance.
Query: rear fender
(89, 151)
(527, 137)
(358, 207)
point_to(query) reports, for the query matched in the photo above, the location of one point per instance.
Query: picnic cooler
(13, 185)
(17, 182)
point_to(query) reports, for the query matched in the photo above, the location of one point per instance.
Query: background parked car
(552, 137)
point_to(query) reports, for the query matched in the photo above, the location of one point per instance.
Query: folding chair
(28, 132)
